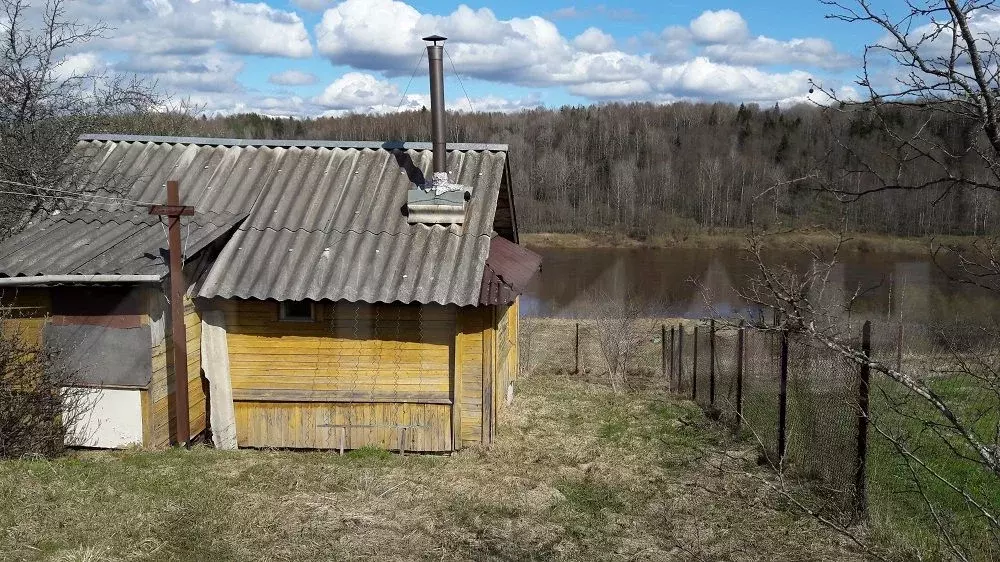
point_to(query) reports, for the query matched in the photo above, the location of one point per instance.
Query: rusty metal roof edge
(209, 141)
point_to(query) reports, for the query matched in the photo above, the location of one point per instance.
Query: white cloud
(292, 78)
(77, 65)
(722, 26)
(195, 26)
(594, 40)
(179, 74)
(260, 29)
(357, 90)
(815, 52)
(701, 77)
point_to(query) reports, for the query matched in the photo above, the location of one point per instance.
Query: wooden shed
(322, 310)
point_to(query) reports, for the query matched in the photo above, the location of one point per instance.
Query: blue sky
(326, 57)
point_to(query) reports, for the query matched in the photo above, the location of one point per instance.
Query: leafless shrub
(619, 333)
(38, 404)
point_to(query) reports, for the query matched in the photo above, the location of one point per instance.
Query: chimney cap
(435, 38)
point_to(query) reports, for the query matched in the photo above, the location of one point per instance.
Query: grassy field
(577, 473)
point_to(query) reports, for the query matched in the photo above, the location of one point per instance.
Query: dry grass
(577, 474)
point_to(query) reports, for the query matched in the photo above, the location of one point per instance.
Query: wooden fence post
(694, 368)
(680, 356)
(861, 472)
(711, 363)
(663, 352)
(672, 331)
(740, 350)
(783, 397)
(576, 350)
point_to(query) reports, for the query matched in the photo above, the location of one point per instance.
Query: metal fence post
(680, 356)
(861, 472)
(694, 368)
(711, 363)
(783, 397)
(576, 348)
(740, 349)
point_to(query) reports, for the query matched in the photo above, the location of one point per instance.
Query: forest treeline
(645, 169)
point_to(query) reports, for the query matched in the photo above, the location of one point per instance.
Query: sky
(327, 57)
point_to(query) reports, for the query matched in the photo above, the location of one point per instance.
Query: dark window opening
(296, 311)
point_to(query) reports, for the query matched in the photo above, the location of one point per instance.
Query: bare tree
(45, 105)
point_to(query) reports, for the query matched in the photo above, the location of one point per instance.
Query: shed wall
(386, 366)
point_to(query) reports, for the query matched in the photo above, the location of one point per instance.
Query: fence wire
(823, 425)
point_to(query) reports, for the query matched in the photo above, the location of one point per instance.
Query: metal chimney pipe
(435, 57)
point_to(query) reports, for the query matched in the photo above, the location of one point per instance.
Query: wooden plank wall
(319, 425)
(471, 322)
(161, 412)
(356, 363)
(351, 352)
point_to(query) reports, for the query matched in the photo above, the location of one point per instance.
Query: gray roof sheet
(325, 220)
(104, 243)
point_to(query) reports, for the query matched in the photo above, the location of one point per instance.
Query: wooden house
(319, 313)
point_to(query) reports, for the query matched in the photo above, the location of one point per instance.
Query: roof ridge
(294, 143)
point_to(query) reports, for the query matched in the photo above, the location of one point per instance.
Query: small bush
(37, 402)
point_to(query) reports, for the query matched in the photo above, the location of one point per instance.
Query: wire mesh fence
(820, 417)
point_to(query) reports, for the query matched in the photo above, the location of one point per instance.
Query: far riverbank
(737, 239)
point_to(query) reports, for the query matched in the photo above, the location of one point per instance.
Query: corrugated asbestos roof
(325, 220)
(104, 243)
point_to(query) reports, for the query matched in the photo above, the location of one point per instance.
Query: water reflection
(701, 283)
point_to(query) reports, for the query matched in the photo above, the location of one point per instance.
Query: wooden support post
(783, 397)
(576, 350)
(711, 363)
(740, 353)
(174, 210)
(694, 368)
(343, 439)
(864, 410)
(402, 441)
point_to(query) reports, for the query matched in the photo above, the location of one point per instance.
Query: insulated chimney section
(438, 200)
(435, 57)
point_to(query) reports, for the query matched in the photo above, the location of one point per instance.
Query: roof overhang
(76, 279)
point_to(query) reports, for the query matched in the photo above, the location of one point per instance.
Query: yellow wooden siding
(24, 312)
(470, 327)
(352, 352)
(163, 428)
(315, 425)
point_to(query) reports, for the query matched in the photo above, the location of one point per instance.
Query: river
(675, 282)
